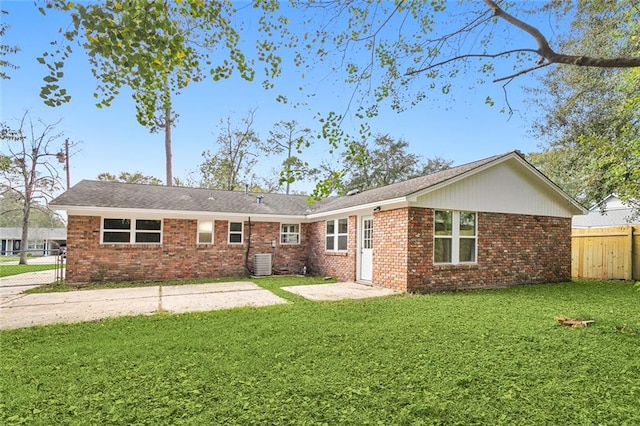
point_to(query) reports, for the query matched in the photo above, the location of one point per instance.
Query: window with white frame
(35, 245)
(205, 231)
(131, 231)
(336, 234)
(454, 237)
(289, 233)
(235, 232)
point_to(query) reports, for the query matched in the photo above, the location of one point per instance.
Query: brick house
(491, 223)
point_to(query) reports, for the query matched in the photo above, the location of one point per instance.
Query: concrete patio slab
(178, 299)
(209, 288)
(87, 296)
(27, 315)
(219, 300)
(338, 291)
(26, 310)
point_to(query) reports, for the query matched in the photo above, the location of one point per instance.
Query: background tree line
(238, 152)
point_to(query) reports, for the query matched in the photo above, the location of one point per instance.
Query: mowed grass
(8, 270)
(484, 357)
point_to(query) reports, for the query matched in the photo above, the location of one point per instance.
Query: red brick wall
(390, 256)
(341, 265)
(512, 249)
(178, 257)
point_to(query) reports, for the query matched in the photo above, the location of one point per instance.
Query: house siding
(504, 188)
(178, 257)
(341, 265)
(512, 249)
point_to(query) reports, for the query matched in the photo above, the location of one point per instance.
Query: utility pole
(63, 157)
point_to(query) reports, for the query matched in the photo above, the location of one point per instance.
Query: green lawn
(7, 270)
(484, 357)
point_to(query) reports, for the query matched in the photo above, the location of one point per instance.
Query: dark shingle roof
(101, 194)
(90, 193)
(400, 189)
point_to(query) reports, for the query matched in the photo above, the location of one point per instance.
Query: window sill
(130, 245)
(445, 266)
(336, 253)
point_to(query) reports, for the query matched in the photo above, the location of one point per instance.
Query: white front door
(366, 249)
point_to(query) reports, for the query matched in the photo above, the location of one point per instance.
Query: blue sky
(459, 126)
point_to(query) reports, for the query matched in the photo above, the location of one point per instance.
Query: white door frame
(365, 255)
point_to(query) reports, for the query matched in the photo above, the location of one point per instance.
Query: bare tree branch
(545, 50)
(467, 56)
(521, 72)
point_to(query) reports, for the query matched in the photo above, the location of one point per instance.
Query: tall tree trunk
(288, 167)
(167, 143)
(25, 232)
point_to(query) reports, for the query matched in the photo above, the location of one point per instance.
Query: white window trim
(241, 232)
(455, 239)
(35, 245)
(132, 231)
(282, 234)
(336, 235)
(213, 232)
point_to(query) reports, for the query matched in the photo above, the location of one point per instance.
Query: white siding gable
(507, 187)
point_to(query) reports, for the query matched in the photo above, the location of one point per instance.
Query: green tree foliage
(591, 127)
(384, 162)
(32, 176)
(157, 48)
(404, 52)
(6, 50)
(126, 177)
(230, 167)
(396, 53)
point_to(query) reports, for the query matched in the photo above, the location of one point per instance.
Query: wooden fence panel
(606, 253)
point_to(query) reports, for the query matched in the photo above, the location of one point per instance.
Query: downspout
(246, 254)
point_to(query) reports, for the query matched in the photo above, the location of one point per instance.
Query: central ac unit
(262, 264)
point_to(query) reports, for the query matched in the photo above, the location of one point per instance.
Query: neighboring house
(491, 223)
(42, 241)
(611, 212)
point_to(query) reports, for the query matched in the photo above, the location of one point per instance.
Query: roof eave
(87, 210)
(352, 209)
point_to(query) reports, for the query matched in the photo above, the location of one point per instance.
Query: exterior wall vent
(262, 264)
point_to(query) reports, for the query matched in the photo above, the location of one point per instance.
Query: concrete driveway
(19, 310)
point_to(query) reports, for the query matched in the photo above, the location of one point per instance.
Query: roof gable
(507, 185)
